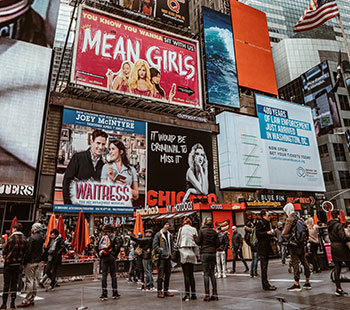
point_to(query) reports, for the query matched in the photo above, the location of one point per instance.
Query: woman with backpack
(248, 239)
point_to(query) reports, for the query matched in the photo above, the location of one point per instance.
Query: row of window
(339, 151)
(344, 177)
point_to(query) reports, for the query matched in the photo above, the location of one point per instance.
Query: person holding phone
(118, 169)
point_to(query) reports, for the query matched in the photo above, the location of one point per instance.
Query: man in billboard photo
(140, 79)
(197, 182)
(121, 81)
(118, 169)
(85, 165)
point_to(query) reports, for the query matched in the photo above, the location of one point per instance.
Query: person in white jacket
(188, 256)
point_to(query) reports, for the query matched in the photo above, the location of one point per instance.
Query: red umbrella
(60, 228)
(14, 221)
(52, 225)
(79, 238)
(329, 215)
(138, 228)
(87, 234)
(342, 217)
(315, 218)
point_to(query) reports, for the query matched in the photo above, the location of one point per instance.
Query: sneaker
(218, 276)
(103, 297)
(307, 286)
(168, 294)
(294, 288)
(224, 275)
(341, 293)
(193, 297)
(50, 289)
(186, 298)
(116, 296)
(153, 289)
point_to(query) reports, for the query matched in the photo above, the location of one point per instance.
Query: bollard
(82, 307)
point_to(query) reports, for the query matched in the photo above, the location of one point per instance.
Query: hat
(36, 227)
(234, 227)
(279, 223)
(139, 234)
(149, 231)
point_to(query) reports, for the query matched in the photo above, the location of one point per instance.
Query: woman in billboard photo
(140, 79)
(121, 81)
(158, 91)
(197, 174)
(118, 169)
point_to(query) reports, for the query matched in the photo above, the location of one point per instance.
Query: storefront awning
(168, 216)
(271, 211)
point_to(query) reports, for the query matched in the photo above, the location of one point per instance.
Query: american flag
(317, 13)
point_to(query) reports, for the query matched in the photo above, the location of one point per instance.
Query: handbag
(154, 255)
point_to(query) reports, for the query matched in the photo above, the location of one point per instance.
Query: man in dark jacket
(264, 234)
(33, 264)
(53, 255)
(146, 245)
(86, 165)
(237, 244)
(163, 244)
(221, 254)
(339, 249)
(14, 254)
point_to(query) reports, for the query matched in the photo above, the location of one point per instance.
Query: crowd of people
(294, 238)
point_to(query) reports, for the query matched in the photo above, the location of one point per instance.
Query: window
(339, 152)
(347, 206)
(328, 177)
(341, 82)
(346, 122)
(344, 102)
(344, 177)
(323, 149)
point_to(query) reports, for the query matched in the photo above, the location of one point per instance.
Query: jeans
(132, 269)
(32, 272)
(337, 271)
(237, 254)
(221, 262)
(298, 254)
(187, 270)
(51, 271)
(314, 257)
(109, 263)
(10, 283)
(147, 266)
(282, 250)
(209, 261)
(254, 264)
(264, 263)
(164, 270)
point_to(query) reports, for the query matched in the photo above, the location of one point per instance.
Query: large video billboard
(23, 81)
(180, 165)
(317, 86)
(278, 150)
(118, 55)
(220, 59)
(101, 164)
(255, 67)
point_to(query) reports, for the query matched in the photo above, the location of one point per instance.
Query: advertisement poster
(180, 165)
(101, 165)
(29, 21)
(280, 148)
(120, 56)
(23, 84)
(317, 86)
(220, 59)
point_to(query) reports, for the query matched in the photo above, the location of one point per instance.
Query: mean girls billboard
(118, 55)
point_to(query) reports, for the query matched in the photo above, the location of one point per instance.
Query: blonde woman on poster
(121, 81)
(140, 79)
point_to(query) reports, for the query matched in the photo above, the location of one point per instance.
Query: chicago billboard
(317, 86)
(255, 67)
(101, 165)
(119, 55)
(220, 59)
(278, 150)
(180, 165)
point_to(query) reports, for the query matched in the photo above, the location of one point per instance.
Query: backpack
(253, 238)
(300, 233)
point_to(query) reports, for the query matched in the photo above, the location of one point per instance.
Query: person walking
(313, 243)
(237, 252)
(221, 254)
(33, 264)
(208, 240)
(255, 257)
(138, 264)
(14, 254)
(340, 250)
(164, 246)
(188, 258)
(53, 255)
(296, 232)
(280, 242)
(264, 234)
(108, 249)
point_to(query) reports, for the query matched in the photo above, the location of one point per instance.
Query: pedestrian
(280, 242)
(208, 240)
(146, 245)
(108, 249)
(14, 254)
(132, 262)
(188, 256)
(313, 243)
(53, 256)
(33, 264)
(221, 254)
(138, 264)
(255, 257)
(237, 252)
(164, 246)
(340, 251)
(296, 232)
(265, 234)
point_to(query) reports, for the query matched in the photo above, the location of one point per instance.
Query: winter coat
(339, 249)
(165, 249)
(15, 249)
(145, 244)
(264, 239)
(56, 256)
(207, 239)
(236, 241)
(187, 245)
(35, 248)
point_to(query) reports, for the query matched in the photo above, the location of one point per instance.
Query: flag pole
(344, 37)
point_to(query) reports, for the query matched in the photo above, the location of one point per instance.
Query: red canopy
(79, 238)
(315, 219)
(329, 215)
(138, 228)
(342, 217)
(14, 221)
(52, 225)
(87, 234)
(60, 228)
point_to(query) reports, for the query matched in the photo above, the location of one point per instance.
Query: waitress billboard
(118, 55)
